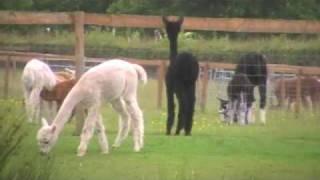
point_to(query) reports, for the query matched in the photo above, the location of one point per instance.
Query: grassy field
(288, 147)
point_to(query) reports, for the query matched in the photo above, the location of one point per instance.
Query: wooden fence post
(7, 78)
(79, 63)
(298, 93)
(204, 87)
(161, 69)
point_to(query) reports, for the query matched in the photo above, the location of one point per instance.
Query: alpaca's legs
(137, 123)
(88, 130)
(124, 121)
(263, 116)
(35, 104)
(181, 117)
(233, 112)
(190, 109)
(251, 113)
(141, 127)
(182, 111)
(263, 94)
(307, 102)
(103, 141)
(52, 108)
(170, 107)
(287, 102)
(44, 110)
(248, 113)
(47, 110)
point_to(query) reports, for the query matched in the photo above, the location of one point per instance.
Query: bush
(281, 49)
(17, 159)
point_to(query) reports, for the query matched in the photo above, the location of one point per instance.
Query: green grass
(134, 39)
(288, 147)
(281, 48)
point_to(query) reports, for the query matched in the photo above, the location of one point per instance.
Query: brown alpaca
(59, 92)
(62, 76)
(310, 88)
(65, 81)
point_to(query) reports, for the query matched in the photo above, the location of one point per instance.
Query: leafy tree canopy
(285, 9)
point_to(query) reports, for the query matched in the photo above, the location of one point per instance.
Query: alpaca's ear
(164, 19)
(44, 122)
(53, 129)
(180, 20)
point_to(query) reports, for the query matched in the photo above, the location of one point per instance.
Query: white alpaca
(36, 76)
(114, 81)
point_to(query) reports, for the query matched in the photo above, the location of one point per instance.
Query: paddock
(286, 147)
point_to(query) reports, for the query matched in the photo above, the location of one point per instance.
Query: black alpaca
(250, 72)
(181, 79)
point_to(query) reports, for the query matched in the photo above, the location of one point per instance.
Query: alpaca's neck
(65, 111)
(173, 49)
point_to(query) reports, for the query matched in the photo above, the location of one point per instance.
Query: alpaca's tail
(141, 73)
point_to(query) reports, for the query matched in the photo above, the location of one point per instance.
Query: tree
(16, 4)
(286, 9)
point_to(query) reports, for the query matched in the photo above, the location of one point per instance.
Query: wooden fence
(137, 21)
(11, 58)
(79, 19)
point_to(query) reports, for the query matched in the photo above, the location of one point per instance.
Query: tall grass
(200, 44)
(17, 161)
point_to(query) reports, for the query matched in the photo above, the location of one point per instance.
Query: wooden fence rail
(10, 58)
(190, 23)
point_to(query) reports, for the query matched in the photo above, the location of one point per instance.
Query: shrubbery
(18, 159)
(281, 49)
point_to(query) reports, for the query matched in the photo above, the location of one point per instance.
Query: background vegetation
(17, 159)
(139, 43)
(284, 9)
(280, 49)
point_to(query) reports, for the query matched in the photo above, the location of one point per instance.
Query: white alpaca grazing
(114, 81)
(36, 76)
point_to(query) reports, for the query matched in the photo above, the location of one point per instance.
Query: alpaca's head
(46, 137)
(224, 110)
(234, 111)
(172, 27)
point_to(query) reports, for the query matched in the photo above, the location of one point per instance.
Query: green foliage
(16, 5)
(287, 9)
(17, 160)
(282, 49)
(11, 130)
